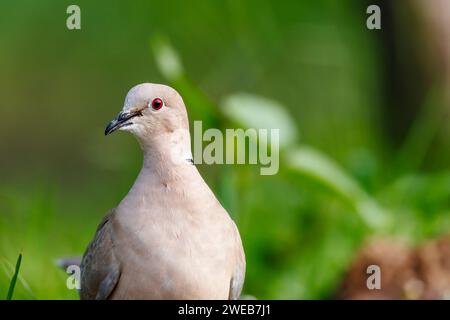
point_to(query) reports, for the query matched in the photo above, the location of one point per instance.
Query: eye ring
(156, 104)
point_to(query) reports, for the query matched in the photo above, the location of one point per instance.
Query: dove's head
(156, 115)
(150, 109)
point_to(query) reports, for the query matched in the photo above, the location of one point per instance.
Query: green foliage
(308, 68)
(330, 251)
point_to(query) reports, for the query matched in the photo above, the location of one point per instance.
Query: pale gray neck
(166, 166)
(164, 183)
(167, 152)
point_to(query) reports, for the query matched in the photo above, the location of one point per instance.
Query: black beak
(122, 120)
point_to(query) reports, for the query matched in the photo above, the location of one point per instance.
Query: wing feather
(100, 270)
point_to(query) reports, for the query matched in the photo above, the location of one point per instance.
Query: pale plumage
(169, 238)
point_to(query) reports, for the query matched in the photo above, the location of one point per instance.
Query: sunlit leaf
(252, 111)
(167, 59)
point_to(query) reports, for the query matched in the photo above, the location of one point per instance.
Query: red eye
(157, 104)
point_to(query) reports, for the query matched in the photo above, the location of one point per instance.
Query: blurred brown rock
(434, 266)
(406, 273)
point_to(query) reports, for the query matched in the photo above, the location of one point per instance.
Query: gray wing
(238, 277)
(100, 270)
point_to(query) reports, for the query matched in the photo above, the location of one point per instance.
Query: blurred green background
(368, 110)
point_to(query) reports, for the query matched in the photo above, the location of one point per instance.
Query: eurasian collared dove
(169, 238)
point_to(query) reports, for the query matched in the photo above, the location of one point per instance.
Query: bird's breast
(175, 255)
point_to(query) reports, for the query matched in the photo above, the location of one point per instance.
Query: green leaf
(12, 284)
(252, 111)
(315, 165)
(167, 59)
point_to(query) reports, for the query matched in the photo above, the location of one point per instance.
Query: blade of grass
(8, 269)
(12, 284)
